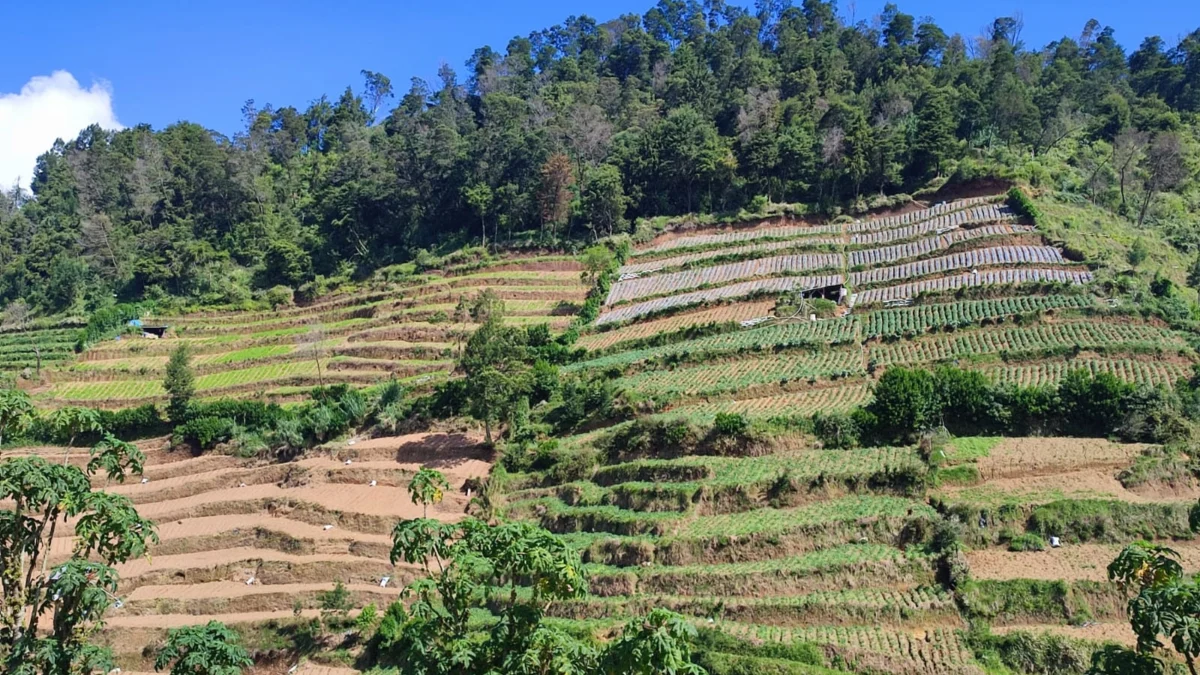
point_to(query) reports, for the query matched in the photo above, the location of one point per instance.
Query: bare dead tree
(1164, 166)
(1127, 149)
(312, 346)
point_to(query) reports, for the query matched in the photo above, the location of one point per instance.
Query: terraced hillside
(780, 540)
(768, 537)
(961, 282)
(246, 542)
(1088, 493)
(409, 330)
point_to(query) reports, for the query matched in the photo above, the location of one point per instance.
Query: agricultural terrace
(779, 540)
(409, 330)
(245, 542)
(1094, 495)
(778, 543)
(696, 320)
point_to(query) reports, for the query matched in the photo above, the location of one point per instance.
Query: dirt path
(1082, 562)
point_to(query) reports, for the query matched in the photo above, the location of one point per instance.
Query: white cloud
(48, 108)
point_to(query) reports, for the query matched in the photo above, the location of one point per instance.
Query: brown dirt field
(735, 312)
(202, 559)
(1080, 562)
(360, 499)
(114, 620)
(1014, 457)
(240, 590)
(1084, 484)
(215, 534)
(1117, 632)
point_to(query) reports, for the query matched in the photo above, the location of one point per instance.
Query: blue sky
(173, 60)
(178, 59)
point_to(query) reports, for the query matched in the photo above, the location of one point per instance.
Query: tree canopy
(577, 130)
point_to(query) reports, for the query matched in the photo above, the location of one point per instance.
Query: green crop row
(789, 335)
(1028, 339)
(736, 375)
(919, 319)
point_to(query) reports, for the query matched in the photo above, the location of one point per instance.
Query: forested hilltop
(577, 131)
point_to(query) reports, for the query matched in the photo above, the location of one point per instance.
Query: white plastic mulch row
(998, 255)
(968, 279)
(745, 288)
(785, 231)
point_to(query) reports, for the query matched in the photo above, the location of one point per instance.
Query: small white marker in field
(145, 480)
(250, 581)
(372, 483)
(350, 442)
(384, 582)
(327, 528)
(348, 462)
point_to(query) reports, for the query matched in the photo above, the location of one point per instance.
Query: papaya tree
(1164, 608)
(209, 649)
(427, 487)
(49, 612)
(516, 572)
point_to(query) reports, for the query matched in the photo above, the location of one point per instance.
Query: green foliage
(16, 412)
(1138, 252)
(654, 645)
(106, 322)
(730, 424)
(427, 488)
(1026, 542)
(1023, 206)
(209, 649)
(51, 612)
(905, 402)
(179, 383)
(1165, 609)
(205, 432)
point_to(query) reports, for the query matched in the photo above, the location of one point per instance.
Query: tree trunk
(1150, 189)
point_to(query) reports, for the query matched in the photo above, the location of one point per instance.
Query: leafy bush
(280, 296)
(206, 432)
(144, 420)
(106, 322)
(1026, 542)
(730, 424)
(252, 415)
(1020, 202)
(837, 430)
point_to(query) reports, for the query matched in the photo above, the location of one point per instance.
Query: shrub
(206, 432)
(837, 430)
(1026, 542)
(144, 420)
(108, 321)
(730, 424)
(249, 414)
(280, 296)
(1020, 202)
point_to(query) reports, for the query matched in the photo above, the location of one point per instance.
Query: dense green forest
(577, 131)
